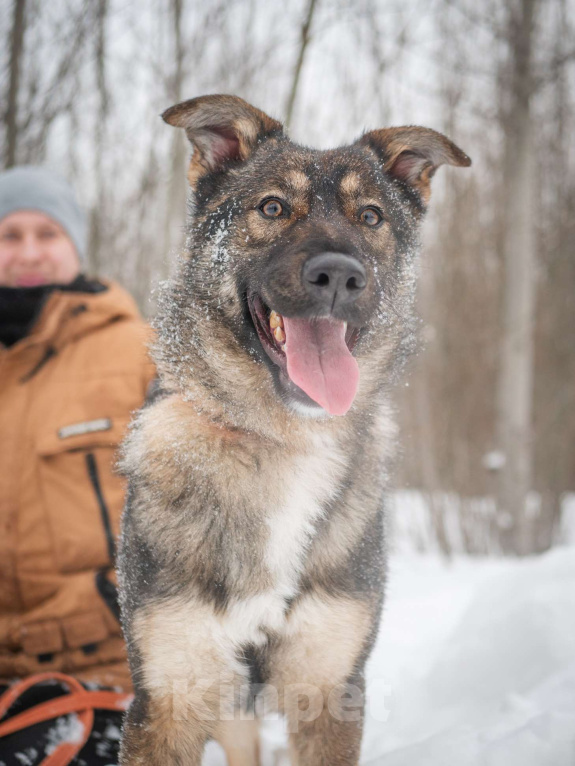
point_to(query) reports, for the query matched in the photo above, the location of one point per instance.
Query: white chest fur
(313, 480)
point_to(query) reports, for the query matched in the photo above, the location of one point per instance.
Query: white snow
(68, 728)
(27, 757)
(474, 666)
(480, 658)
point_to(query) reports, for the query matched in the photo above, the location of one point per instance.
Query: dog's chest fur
(307, 484)
(311, 482)
(250, 514)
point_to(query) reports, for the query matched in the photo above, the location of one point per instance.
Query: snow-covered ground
(480, 659)
(475, 666)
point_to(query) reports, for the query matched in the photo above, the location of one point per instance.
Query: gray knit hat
(33, 188)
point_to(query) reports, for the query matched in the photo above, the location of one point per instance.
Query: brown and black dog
(252, 558)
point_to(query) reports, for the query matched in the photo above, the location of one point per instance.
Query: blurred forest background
(487, 422)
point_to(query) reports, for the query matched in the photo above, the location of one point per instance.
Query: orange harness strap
(78, 701)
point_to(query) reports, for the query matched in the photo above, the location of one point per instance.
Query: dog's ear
(412, 154)
(221, 129)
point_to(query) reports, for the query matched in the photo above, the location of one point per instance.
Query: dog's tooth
(276, 320)
(345, 327)
(279, 335)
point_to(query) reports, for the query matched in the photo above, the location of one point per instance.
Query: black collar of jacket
(20, 307)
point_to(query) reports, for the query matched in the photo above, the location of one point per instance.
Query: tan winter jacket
(66, 394)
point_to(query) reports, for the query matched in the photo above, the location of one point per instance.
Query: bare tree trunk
(98, 210)
(16, 48)
(305, 37)
(515, 388)
(176, 197)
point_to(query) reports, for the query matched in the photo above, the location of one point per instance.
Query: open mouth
(315, 354)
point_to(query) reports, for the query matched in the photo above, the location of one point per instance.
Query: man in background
(73, 367)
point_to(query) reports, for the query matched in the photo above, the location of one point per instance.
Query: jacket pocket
(82, 494)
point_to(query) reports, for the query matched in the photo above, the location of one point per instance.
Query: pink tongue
(320, 363)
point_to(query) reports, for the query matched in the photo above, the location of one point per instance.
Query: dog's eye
(371, 216)
(272, 208)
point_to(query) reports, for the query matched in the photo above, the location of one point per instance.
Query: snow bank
(480, 658)
(475, 666)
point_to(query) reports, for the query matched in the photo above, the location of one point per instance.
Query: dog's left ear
(222, 129)
(412, 154)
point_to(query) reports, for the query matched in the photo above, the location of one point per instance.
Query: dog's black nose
(334, 279)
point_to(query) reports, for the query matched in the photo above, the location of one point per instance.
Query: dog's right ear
(412, 154)
(222, 129)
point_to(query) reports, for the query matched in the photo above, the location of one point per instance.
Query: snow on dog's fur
(253, 548)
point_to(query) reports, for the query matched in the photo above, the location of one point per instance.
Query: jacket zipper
(95, 480)
(48, 354)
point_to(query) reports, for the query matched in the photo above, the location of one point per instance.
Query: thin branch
(305, 37)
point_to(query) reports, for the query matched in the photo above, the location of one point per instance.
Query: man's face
(35, 250)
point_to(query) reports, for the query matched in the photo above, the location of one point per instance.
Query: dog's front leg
(327, 729)
(185, 677)
(157, 733)
(240, 741)
(317, 669)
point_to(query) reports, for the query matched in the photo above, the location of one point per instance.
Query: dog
(252, 558)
